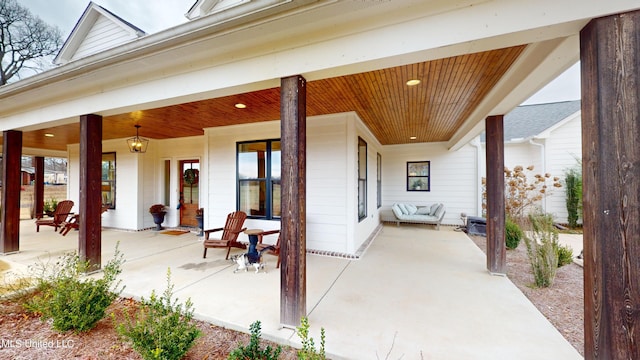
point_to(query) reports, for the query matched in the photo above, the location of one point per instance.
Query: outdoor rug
(174, 232)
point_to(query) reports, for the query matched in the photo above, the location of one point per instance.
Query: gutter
(544, 168)
(479, 161)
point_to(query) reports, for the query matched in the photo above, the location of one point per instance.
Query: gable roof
(527, 121)
(225, 10)
(97, 29)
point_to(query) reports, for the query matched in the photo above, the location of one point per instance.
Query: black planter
(158, 218)
(200, 220)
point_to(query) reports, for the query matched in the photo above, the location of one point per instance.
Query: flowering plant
(157, 208)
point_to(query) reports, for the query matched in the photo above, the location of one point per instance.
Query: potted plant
(49, 206)
(158, 211)
(200, 220)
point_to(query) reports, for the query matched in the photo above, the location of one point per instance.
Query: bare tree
(24, 39)
(55, 164)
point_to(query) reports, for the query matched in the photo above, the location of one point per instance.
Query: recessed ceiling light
(413, 137)
(240, 106)
(48, 135)
(413, 82)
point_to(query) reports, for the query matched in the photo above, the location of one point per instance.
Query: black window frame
(269, 181)
(418, 175)
(362, 182)
(379, 179)
(108, 183)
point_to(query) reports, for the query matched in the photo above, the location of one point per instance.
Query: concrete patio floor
(416, 293)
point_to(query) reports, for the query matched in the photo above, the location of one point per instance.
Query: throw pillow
(439, 210)
(397, 211)
(411, 208)
(425, 210)
(403, 207)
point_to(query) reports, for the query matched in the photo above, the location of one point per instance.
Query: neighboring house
(51, 177)
(97, 30)
(547, 136)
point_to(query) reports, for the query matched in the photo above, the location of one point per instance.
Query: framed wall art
(418, 175)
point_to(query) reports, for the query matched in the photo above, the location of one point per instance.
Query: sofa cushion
(403, 208)
(411, 209)
(419, 218)
(396, 211)
(424, 210)
(434, 208)
(439, 211)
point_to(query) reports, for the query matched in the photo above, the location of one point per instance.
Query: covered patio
(428, 289)
(476, 60)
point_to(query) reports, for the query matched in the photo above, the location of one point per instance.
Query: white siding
(329, 181)
(332, 145)
(454, 178)
(366, 226)
(558, 151)
(104, 34)
(143, 170)
(523, 154)
(564, 148)
(174, 150)
(130, 170)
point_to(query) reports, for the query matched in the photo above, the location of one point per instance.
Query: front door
(189, 186)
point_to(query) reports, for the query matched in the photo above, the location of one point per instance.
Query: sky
(149, 15)
(565, 87)
(154, 15)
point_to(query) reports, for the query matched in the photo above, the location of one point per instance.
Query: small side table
(253, 241)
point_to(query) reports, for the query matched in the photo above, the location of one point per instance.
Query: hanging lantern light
(136, 143)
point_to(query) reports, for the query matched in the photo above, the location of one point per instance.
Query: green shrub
(49, 206)
(541, 249)
(513, 234)
(161, 328)
(565, 255)
(308, 351)
(71, 299)
(253, 351)
(573, 191)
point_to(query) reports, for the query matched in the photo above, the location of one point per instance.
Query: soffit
(432, 111)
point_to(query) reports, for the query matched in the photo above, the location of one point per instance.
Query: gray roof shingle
(527, 121)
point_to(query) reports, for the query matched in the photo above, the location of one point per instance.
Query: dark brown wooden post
(293, 272)
(38, 187)
(90, 235)
(496, 248)
(11, 178)
(610, 74)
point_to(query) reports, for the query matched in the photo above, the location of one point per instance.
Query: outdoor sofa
(409, 213)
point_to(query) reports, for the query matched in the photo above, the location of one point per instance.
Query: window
(258, 166)
(166, 183)
(418, 175)
(379, 180)
(108, 184)
(362, 179)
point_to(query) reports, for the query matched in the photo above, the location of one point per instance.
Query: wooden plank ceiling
(431, 111)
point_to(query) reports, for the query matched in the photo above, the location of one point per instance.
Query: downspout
(479, 171)
(544, 170)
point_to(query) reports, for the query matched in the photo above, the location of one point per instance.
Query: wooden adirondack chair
(63, 211)
(274, 252)
(230, 231)
(73, 222)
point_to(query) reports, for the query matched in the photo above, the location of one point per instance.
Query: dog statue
(245, 261)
